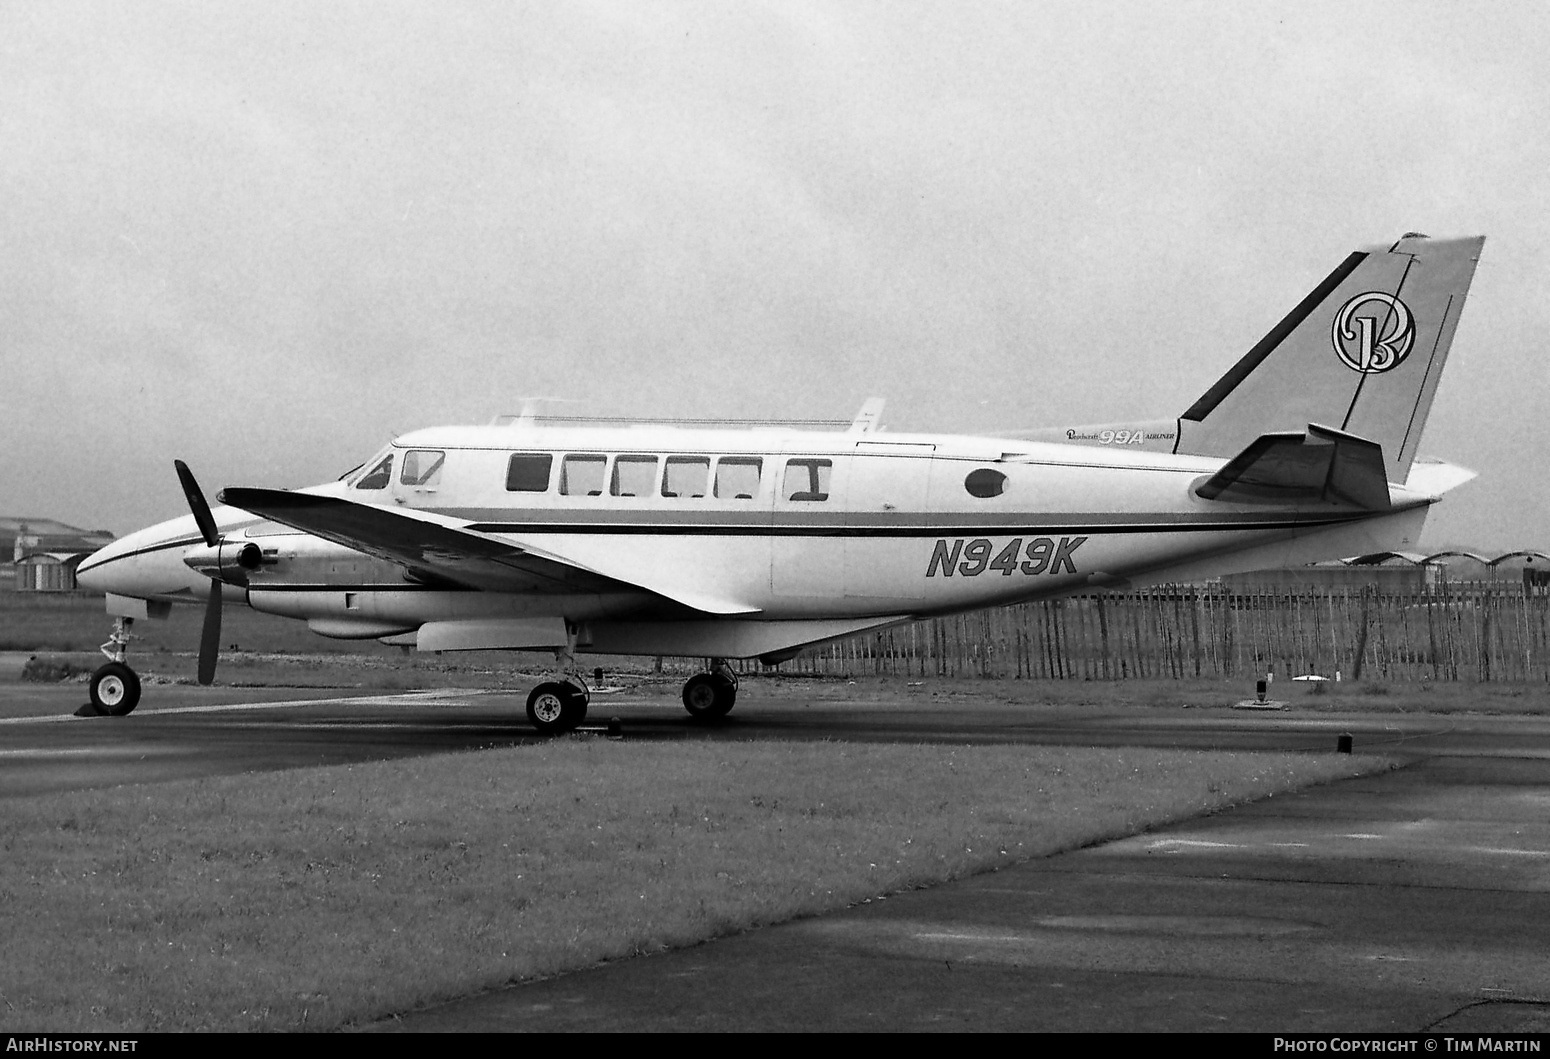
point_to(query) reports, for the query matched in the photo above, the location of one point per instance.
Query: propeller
(210, 636)
(196, 503)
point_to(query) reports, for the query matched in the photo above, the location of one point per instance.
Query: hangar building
(44, 553)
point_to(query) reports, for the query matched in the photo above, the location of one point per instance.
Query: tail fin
(1362, 354)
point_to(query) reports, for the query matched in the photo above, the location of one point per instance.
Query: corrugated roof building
(1404, 572)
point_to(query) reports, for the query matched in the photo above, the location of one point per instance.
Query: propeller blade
(210, 638)
(197, 504)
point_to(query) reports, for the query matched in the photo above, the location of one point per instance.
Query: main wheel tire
(555, 708)
(709, 696)
(115, 690)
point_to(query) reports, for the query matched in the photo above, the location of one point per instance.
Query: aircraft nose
(144, 564)
(91, 575)
(104, 569)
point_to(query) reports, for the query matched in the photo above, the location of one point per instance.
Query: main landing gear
(115, 690)
(558, 706)
(709, 696)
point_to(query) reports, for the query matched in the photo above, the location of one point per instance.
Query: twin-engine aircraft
(755, 542)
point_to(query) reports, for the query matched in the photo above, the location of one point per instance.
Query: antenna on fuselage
(869, 418)
(529, 412)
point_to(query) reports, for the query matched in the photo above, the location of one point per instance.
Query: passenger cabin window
(634, 476)
(807, 480)
(528, 472)
(583, 475)
(985, 483)
(686, 476)
(379, 476)
(422, 467)
(737, 477)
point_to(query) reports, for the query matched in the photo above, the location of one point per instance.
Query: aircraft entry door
(807, 553)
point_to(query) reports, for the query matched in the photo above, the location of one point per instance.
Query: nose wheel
(115, 690)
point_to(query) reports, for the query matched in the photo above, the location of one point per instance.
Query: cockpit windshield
(379, 476)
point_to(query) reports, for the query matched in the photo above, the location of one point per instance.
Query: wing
(434, 547)
(1323, 466)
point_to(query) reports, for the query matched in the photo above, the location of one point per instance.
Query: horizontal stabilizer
(1320, 467)
(435, 548)
(1434, 477)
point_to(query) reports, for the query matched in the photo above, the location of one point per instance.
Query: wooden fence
(1455, 631)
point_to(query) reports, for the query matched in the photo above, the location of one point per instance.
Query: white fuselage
(798, 535)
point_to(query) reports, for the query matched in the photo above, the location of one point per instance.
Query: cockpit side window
(379, 476)
(422, 467)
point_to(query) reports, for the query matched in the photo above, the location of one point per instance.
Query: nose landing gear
(115, 690)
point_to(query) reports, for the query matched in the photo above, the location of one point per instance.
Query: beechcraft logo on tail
(1377, 339)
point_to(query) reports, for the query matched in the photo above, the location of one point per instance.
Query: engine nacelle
(228, 561)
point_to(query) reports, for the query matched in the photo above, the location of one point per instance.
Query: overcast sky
(264, 237)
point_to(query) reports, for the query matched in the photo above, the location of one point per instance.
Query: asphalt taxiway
(1412, 901)
(182, 732)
